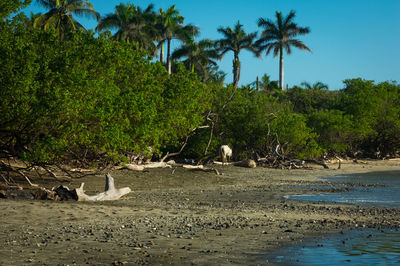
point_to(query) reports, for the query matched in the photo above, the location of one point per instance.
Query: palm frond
(288, 19)
(298, 44)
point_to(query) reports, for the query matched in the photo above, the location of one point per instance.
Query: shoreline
(184, 217)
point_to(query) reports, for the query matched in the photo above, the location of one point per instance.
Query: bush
(86, 98)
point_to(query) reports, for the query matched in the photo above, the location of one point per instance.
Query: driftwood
(222, 163)
(110, 193)
(157, 165)
(64, 193)
(142, 167)
(189, 166)
(135, 167)
(339, 161)
(319, 163)
(280, 162)
(246, 163)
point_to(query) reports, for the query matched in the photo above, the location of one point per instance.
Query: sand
(182, 217)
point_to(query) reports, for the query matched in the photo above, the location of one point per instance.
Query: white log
(189, 166)
(157, 165)
(221, 163)
(135, 167)
(110, 193)
(340, 162)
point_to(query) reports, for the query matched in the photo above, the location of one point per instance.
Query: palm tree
(170, 25)
(132, 24)
(279, 35)
(198, 56)
(316, 86)
(60, 17)
(266, 84)
(167, 21)
(235, 40)
(30, 21)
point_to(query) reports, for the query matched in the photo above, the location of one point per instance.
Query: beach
(176, 216)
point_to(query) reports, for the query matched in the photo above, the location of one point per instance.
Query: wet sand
(182, 217)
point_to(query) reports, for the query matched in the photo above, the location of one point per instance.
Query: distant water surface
(355, 247)
(387, 196)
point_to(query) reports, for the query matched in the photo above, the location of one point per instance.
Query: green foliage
(335, 130)
(97, 100)
(59, 17)
(89, 97)
(133, 25)
(236, 40)
(279, 36)
(254, 121)
(375, 111)
(294, 135)
(12, 6)
(306, 101)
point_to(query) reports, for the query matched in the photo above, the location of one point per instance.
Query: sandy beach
(183, 217)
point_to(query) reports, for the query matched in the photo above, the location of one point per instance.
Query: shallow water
(355, 247)
(387, 196)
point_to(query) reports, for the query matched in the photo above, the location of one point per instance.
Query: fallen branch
(135, 167)
(78, 194)
(222, 163)
(246, 163)
(183, 145)
(189, 166)
(157, 165)
(340, 162)
(317, 162)
(110, 193)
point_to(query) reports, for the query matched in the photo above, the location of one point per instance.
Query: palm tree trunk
(236, 70)
(162, 56)
(169, 56)
(257, 82)
(281, 74)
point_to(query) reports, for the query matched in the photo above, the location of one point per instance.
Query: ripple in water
(356, 247)
(388, 196)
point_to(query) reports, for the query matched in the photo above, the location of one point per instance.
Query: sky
(348, 38)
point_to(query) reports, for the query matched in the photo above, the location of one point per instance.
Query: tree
(316, 86)
(235, 40)
(60, 17)
(170, 25)
(30, 21)
(279, 35)
(198, 56)
(376, 115)
(266, 85)
(307, 101)
(93, 100)
(132, 24)
(11, 6)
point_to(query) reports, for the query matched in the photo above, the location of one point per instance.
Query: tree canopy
(95, 100)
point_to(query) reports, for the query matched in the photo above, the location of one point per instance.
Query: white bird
(226, 153)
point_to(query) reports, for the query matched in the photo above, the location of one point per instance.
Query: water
(387, 194)
(355, 247)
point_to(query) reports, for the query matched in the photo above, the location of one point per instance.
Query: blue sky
(348, 39)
